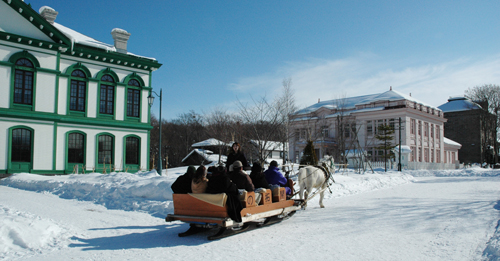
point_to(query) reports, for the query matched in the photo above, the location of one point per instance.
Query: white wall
(5, 73)
(42, 143)
(91, 145)
(45, 89)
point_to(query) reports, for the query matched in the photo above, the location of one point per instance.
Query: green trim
(148, 153)
(69, 71)
(56, 95)
(28, 41)
(24, 54)
(62, 43)
(13, 59)
(115, 77)
(38, 21)
(109, 71)
(44, 116)
(129, 77)
(68, 167)
(78, 66)
(54, 146)
(149, 94)
(21, 166)
(100, 167)
(47, 172)
(131, 168)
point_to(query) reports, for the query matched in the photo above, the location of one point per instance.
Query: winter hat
(237, 164)
(191, 170)
(256, 167)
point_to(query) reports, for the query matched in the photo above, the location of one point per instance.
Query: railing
(413, 165)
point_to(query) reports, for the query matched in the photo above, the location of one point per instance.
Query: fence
(413, 165)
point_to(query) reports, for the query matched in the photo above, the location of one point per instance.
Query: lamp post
(150, 101)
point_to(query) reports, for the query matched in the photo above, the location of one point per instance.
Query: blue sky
(217, 52)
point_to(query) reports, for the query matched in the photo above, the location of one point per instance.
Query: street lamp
(150, 101)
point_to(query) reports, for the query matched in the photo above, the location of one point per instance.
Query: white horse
(312, 177)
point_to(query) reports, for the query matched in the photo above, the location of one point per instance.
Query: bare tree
(219, 124)
(286, 107)
(263, 121)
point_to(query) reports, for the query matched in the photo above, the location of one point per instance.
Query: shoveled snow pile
(20, 232)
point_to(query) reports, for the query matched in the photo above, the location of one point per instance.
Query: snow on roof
(82, 39)
(404, 149)
(347, 113)
(210, 142)
(459, 104)
(207, 155)
(269, 145)
(351, 102)
(451, 142)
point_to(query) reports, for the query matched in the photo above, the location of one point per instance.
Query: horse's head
(328, 162)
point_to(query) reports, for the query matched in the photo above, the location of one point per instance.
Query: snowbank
(150, 193)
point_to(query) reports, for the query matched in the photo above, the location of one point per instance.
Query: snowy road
(446, 218)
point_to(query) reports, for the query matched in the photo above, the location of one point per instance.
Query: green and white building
(69, 103)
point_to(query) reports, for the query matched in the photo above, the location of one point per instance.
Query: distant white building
(270, 150)
(203, 157)
(351, 123)
(69, 103)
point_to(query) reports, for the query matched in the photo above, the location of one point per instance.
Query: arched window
(76, 148)
(107, 100)
(132, 151)
(23, 82)
(105, 149)
(21, 145)
(78, 91)
(133, 98)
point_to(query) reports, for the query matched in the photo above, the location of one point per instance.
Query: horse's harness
(325, 172)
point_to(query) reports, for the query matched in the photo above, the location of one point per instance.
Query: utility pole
(399, 162)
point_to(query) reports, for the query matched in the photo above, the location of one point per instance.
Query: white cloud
(367, 74)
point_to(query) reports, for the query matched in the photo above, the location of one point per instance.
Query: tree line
(261, 120)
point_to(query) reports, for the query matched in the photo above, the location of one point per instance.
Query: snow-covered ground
(414, 215)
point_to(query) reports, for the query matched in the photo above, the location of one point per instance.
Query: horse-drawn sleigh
(207, 211)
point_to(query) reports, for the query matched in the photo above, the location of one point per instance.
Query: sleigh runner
(205, 211)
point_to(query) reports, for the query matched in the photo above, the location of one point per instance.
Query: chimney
(48, 13)
(121, 37)
(318, 100)
(390, 88)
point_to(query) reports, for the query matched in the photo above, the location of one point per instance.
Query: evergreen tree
(309, 156)
(384, 134)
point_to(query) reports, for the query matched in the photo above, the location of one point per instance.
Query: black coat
(241, 180)
(259, 179)
(232, 157)
(220, 183)
(182, 184)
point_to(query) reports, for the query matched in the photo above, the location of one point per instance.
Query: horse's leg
(321, 195)
(301, 186)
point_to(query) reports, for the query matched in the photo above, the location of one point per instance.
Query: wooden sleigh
(206, 211)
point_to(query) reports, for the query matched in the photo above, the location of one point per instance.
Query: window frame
(78, 80)
(20, 166)
(131, 166)
(135, 88)
(108, 85)
(14, 68)
(107, 166)
(70, 166)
